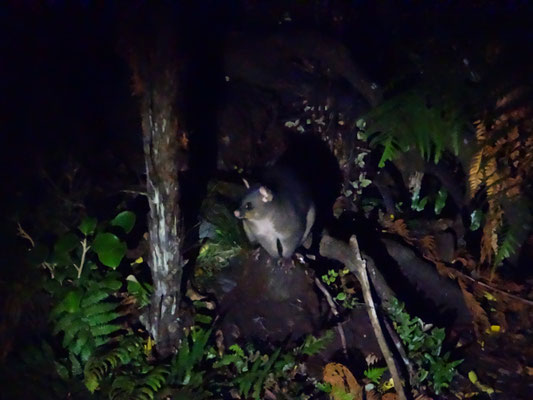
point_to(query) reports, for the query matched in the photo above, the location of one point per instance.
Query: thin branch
(84, 251)
(503, 292)
(23, 234)
(135, 192)
(335, 312)
(329, 299)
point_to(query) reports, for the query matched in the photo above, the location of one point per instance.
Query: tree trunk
(155, 79)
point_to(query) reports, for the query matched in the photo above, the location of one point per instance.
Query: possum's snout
(238, 214)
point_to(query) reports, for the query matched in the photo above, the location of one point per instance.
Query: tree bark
(155, 79)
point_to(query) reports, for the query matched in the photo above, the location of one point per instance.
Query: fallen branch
(335, 312)
(350, 256)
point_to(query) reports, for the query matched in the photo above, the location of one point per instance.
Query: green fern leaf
(99, 308)
(258, 385)
(100, 319)
(94, 297)
(81, 341)
(71, 331)
(91, 382)
(312, 345)
(237, 350)
(65, 321)
(507, 248)
(200, 339)
(86, 353)
(156, 378)
(389, 151)
(106, 329)
(100, 341)
(122, 388)
(144, 393)
(76, 366)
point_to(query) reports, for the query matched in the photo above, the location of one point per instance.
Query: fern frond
(105, 329)
(98, 367)
(481, 320)
(389, 151)
(507, 247)
(66, 321)
(122, 388)
(312, 345)
(475, 174)
(156, 378)
(100, 319)
(82, 340)
(406, 121)
(429, 246)
(99, 308)
(93, 298)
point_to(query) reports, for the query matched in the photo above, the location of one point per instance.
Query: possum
(277, 214)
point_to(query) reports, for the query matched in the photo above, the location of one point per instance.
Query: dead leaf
(373, 395)
(481, 320)
(340, 378)
(429, 247)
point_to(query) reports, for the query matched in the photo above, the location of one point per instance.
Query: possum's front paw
(286, 264)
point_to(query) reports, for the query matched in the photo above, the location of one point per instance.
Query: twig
(136, 192)
(84, 251)
(335, 312)
(23, 234)
(476, 282)
(49, 267)
(351, 258)
(329, 299)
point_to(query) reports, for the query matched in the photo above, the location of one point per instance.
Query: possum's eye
(248, 206)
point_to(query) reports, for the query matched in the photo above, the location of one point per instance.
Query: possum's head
(255, 204)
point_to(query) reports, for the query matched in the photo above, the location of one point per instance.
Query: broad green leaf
(109, 248)
(111, 283)
(126, 220)
(66, 243)
(87, 225)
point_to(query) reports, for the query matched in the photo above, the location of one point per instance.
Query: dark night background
(66, 90)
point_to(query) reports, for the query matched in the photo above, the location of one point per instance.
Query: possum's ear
(266, 194)
(246, 183)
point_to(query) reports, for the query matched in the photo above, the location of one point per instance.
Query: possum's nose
(237, 213)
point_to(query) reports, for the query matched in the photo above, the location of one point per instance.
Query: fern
(99, 367)
(190, 354)
(501, 170)
(509, 244)
(255, 377)
(406, 121)
(86, 319)
(375, 374)
(313, 345)
(133, 387)
(222, 231)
